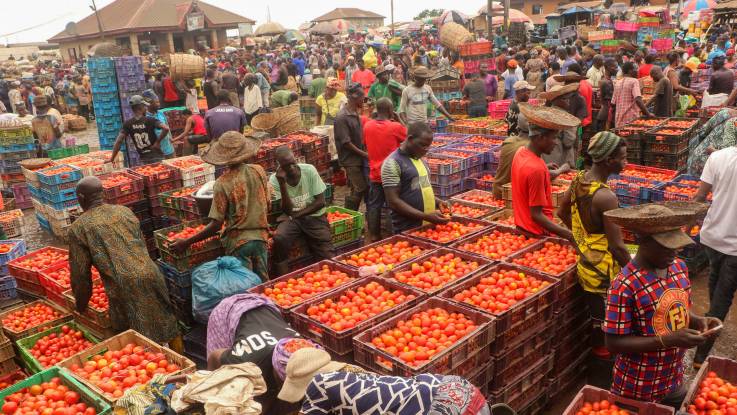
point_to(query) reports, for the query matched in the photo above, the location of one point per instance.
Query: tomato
(435, 271)
(55, 347)
(385, 254)
(481, 197)
(30, 316)
(447, 232)
(497, 291)
(552, 258)
(47, 398)
(294, 291)
(715, 395)
(497, 244)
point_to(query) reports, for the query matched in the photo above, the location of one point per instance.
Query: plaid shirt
(626, 91)
(639, 303)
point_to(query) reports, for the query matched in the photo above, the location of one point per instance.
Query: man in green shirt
(282, 98)
(385, 86)
(318, 84)
(302, 193)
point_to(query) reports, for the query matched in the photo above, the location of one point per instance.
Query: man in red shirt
(532, 199)
(363, 76)
(382, 136)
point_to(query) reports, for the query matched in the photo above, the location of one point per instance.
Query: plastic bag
(369, 59)
(215, 280)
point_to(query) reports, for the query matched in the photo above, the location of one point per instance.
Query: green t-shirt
(317, 87)
(379, 90)
(310, 185)
(280, 98)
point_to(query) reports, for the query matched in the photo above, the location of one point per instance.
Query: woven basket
(264, 122)
(279, 121)
(453, 35)
(185, 66)
(551, 118)
(35, 164)
(289, 124)
(77, 123)
(105, 50)
(648, 219)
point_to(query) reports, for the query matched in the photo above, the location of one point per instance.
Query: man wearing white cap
(385, 86)
(521, 94)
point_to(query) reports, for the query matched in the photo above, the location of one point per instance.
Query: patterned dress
(109, 237)
(719, 132)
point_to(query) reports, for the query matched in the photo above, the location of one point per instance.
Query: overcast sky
(38, 20)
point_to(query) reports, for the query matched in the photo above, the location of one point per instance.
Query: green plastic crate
(59, 153)
(347, 224)
(85, 395)
(80, 149)
(26, 344)
(345, 238)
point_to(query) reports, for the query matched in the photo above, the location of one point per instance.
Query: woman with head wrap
(599, 241)
(718, 133)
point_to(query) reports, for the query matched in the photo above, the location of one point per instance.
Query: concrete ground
(37, 238)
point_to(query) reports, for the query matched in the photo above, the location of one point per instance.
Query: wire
(36, 26)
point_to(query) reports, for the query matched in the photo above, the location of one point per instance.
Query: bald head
(656, 73)
(384, 106)
(89, 192)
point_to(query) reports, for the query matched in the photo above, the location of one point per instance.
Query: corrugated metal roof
(347, 13)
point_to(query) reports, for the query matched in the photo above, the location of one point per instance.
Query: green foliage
(429, 13)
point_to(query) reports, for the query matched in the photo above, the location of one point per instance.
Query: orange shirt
(587, 92)
(531, 186)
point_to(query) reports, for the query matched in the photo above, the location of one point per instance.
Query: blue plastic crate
(43, 222)
(35, 192)
(104, 87)
(59, 178)
(63, 205)
(18, 250)
(14, 148)
(680, 178)
(99, 63)
(182, 279)
(8, 288)
(59, 197)
(448, 190)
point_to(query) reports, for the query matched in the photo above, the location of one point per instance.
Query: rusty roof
(347, 13)
(128, 16)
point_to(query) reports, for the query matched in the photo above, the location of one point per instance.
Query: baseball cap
(137, 100)
(520, 85)
(302, 367)
(673, 239)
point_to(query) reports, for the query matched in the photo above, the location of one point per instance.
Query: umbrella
(696, 5)
(494, 6)
(324, 28)
(451, 16)
(576, 9)
(229, 49)
(269, 28)
(515, 16)
(292, 35)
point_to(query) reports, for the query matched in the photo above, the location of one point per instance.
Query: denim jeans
(254, 255)
(722, 286)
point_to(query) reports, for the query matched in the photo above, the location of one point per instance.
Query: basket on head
(453, 35)
(186, 66)
(35, 164)
(552, 118)
(265, 122)
(658, 217)
(105, 49)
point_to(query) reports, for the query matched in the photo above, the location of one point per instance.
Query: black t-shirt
(255, 338)
(142, 132)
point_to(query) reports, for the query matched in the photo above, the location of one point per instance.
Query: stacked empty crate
(131, 81)
(105, 99)
(10, 249)
(476, 54)
(16, 144)
(59, 197)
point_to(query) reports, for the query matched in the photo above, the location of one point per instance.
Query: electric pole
(99, 22)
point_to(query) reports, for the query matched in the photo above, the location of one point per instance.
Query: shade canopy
(696, 5)
(292, 35)
(515, 16)
(451, 16)
(270, 28)
(575, 10)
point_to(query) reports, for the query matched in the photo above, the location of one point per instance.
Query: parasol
(451, 16)
(292, 35)
(343, 25)
(515, 16)
(270, 28)
(696, 5)
(324, 28)
(575, 10)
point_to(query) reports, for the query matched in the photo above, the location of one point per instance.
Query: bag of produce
(215, 280)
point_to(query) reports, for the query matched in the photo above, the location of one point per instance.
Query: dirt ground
(725, 346)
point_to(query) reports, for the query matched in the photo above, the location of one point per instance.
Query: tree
(429, 13)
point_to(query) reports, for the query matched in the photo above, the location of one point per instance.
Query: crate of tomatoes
(447, 233)
(191, 167)
(59, 174)
(481, 197)
(496, 243)
(134, 352)
(74, 396)
(471, 210)
(332, 319)
(57, 278)
(459, 346)
(309, 141)
(592, 400)
(716, 380)
(203, 251)
(386, 254)
(119, 184)
(12, 378)
(49, 347)
(31, 318)
(155, 174)
(10, 249)
(343, 220)
(28, 266)
(552, 256)
(12, 223)
(437, 270)
(98, 307)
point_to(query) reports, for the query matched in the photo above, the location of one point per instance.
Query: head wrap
(333, 83)
(693, 63)
(602, 145)
(512, 64)
(280, 356)
(226, 316)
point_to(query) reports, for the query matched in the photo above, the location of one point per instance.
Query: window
(537, 9)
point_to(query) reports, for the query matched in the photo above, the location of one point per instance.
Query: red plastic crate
(469, 352)
(29, 287)
(482, 264)
(477, 211)
(475, 48)
(567, 276)
(481, 226)
(425, 246)
(149, 180)
(156, 189)
(50, 284)
(127, 199)
(133, 184)
(31, 275)
(561, 382)
(512, 362)
(528, 386)
(472, 239)
(724, 368)
(473, 195)
(593, 394)
(340, 342)
(668, 175)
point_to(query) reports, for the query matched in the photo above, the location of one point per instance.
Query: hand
(179, 246)
(564, 168)
(684, 338)
(553, 166)
(437, 218)
(156, 146)
(281, 175)
(451, 119)
(712, 322)
(710, 150)
(568, 235)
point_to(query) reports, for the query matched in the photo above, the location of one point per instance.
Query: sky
(38, 20)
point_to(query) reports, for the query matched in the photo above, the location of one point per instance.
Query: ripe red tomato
(296, 290)
(55, 347)
(436, 271)
(447, 232)
(497, 244)
(715, 396)
(388, 254)
(30, 316)
(552, 258)
(47, 398)
(499, 290)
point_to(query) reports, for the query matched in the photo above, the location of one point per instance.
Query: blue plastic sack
(216, 280)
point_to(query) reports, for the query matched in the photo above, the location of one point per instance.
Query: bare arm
(703, 192)
(187, 130)
(642, 107)
(402, 208)
(352, 148)
(116, 146)
(539, 217)
(211, 229)
(603, 202)
(684, 338)
(564, 210)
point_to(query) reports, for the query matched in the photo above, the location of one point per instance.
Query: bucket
(185, 66)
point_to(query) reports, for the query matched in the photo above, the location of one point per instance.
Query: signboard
(567, 32)
(245, 29)
(195, 21)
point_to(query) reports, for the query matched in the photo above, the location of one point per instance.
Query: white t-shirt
(414, 102)
(719, 231)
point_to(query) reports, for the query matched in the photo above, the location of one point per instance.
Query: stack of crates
(195, 345)
(131, 81)
(13, 248)
(449, 165)
(307, 111)
(108, 113)
(476, 54)
(193, 171)
(157, 178)
(175, 119)
(346, 225)
(666, 146)
(7, 356)
(179, 284)
(16, 144)
(58, 196)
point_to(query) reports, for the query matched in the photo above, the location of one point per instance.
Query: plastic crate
(566, 276)
(470, 158)
(341, 342)
(633, 186)
(150, 180)
(8, 286)
(424, 247)
(477, 224)
(475, 48)
(665, 144)
(511, 363)
(482, 264)
(12, 378)
(724, 368)
(26, 344)
(133, 184)
(528, 386)
(593, 394)
(65, 316)
(85, 394)
(632, 169)
(480, 197)
(16, 248)
(8, 133)
(467, 354)
(677, 162)
(674, 191)
(475, 211)
(189, 173)
(355, 221)
(162, 240)
(15, 148)
(185, 263)
(97, 318)
(444, 165)
(50, 175)
(473, 239)
(61, 196)
(28, 274)
(448, 190)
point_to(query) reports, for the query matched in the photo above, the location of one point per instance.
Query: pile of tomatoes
(642, 172)
(387, 254)
(648, 122)
(484, 198)
(295, 344)
(337, 216)
(47, 398)
(447, 232)
(500, 290)
(114, 372)
(351, 307)
(506, 220)
(669, 131)
(303, 138)
(458, 209)
(61, 169)
(482, 139)
(425, 334)
(497, 244)
(62, 276)
(157, 169)
(6, 247)
(684, 124)
(552, 258)
(188, 232)
(601, 408)
(99, 300)
(184, 163)
(567, 176)
(55, 347)
(41, 259)
(296, 290)
(436, 271)
(114, 180)
(30, 316)
(10, 215)
(715, 396)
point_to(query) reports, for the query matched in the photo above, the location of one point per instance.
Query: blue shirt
(509, 85)
(300, 64)
(566, 63)
(166, 147)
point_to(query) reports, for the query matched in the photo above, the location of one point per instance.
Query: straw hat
(570, 77)
(551, 118)
(303, 365)
(558, 91)
(421, 72)
(663, 221)
(231, 148)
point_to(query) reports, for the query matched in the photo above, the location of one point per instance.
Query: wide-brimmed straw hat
(231, 148)
(663, 220)
(303, 365)
(558, 91)
(569, 77)
(551, 118)
(421, 72)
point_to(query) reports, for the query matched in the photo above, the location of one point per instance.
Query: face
(522, 95)
(153, 105)
(383, 77)
(656, 254)
(419, 146)
(22, 111)
(618, 161)
(548, 141)
(289, 165)
(356, 98)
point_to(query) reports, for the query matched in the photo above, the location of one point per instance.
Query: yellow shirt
(330, 106)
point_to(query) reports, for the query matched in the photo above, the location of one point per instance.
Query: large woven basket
(35, 164)
(453, 35)
(186, 66)
(647, 219)
(279, 121)
(77, 123)
(548, 117)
